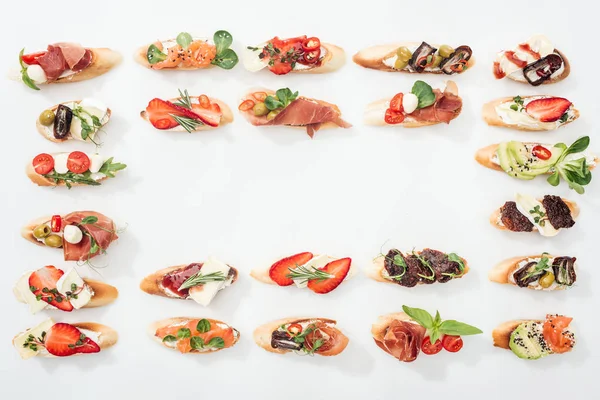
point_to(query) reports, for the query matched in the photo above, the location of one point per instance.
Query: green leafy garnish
(184, 39)
(197, 343)
(189, 124)
(436, 327)
(305, 274)
(169, 339)
(564, 118)
(424, 93)
(539, 217)
(199, 279)
(517, 104)
(24, 76)
(184, 100)
(282, 99)
(203, 325)
(226, 58)
(109, 168)
(86, 129)
(183, 333)
(427, 264)
(154, 55)
(69, 178)
(216, 343)
(541, 266)
(89, 220)
(453, 257)
(575, 172)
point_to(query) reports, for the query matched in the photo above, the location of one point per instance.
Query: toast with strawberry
(319, 273)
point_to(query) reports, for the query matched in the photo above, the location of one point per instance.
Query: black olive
(62, 122)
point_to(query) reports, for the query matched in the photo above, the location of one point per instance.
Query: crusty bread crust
(262, 274)
(375, 271)
(372, 57)
(152, 328)
(262, 334)
(573, 207)
(565, 73)
(491, 117)
(501, 335)
(42, 129)
(103, 60)
(42, 181)
(27, 230)
(503, 270)
(226, 118)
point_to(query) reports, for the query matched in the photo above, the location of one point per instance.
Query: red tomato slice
(393, 117)
(396, 103)
(246, 105)
(429, 348)
(78, 162)
(541, 152)
(554, 334)
(32, 58)
(452, 343)
(43, 163)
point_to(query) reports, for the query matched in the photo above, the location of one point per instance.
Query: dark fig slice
(62, 122)
(526, 275)
(419, 58)
(564, 270)
(282, 340)
(457, 62)
(541, 70)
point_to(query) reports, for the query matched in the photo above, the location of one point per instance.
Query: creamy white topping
(539, 44)
(522, 118)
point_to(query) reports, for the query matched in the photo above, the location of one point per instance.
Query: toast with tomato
(302, 336)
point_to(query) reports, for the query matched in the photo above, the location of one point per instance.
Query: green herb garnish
(541, 266)
(517, 104)
(86, 128)
(282, 99)
(184, 39)
(539, 217)
(427, 264)
(203, 325)
(226, 58)
(424, 93)
(453, 257)
(109, 168)
(183, 333)
(575, 172)
(24, 76)
(70, 178)
(437, 327)
(305, 274)
(199, 279)
(154, 55)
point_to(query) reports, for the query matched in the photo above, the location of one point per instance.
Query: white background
(252, 195)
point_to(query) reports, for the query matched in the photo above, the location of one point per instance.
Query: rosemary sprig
(200, 279)
(305, 274)
(189, 124)
(184, 100)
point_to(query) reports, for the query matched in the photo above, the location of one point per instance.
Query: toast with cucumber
(537, 272)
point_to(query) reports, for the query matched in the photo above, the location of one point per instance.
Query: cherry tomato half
(311, 44)
(396, 103)
(32, 58)
(204, 101)
(393, 117)
(78, 162)
(294, 329)
(541, 152)
(56, 223)
(43, 163)
(452, 343)
(246, 105)
(429, 348)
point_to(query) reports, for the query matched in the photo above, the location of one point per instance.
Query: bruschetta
(81, 235)
(65, 62)
(194, 335)
(301, 336)
(536, 62)
(526, 160)
(59, 339)
(537, 272)
(301, 54)
(423, 106)
(319, 273)
(415, 57)
(197, 281)
(414, 268)
(187, 113)
(263, 107)
(403, 335)
(528, 214)
(50, 287)
(534, 339)
(71, 169)
(530, 113)
(187, 52)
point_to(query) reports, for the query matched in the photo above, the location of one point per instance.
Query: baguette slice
(140, 58)
(43, 181)
(333, 60)
(375, 271)
(565, 73)
(262, 274)
(503, 270)
(103, 293)
(103, 60)
(491, 117)
(42, 129)
(372, 57)
(494, 218)
(501, 334)
(152, 328)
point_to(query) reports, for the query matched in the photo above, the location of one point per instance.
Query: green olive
(272, 114)
(436, 61)
(445, 51)
(547, 280)
(400, 64)
(47, 117)
(41, 231)
(53, 241)
(404, 53)
(260, 109)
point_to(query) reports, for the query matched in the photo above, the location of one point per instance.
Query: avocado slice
(530, 164)
(527, 341)
(509, 163)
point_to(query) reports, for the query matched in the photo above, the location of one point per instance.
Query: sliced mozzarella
(526, 204)
(203, 294)
(60, 163)
(72, 234)
(409, 102)
(316, 263)
(65, 284)
(541, 44)
(20, 339)
(36, 73)
(97, 176)
(24, 294)
(96, 161)
(90, 107)
(251, 60)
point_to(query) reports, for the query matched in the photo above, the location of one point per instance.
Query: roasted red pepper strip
(56, 223)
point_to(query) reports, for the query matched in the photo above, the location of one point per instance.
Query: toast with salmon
(73, 120)
(538, 272)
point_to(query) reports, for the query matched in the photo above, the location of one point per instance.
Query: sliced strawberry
(65, 340)
(549, 109)
(160, 113)
(42, 283)
(339, 269)
(210, 116)
(280, 270)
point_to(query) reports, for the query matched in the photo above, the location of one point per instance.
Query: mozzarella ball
(409, 102)
(72, 234)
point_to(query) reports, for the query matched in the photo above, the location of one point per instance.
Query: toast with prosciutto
(412, 268)
(535, 339)
(197, 281)
(81, 235)
(404, 335)
(65, 62)
(319, 273)
(535, 62)
(415, 57)
(530, 113)
(59, 339)
(52, 288)
(527, 214)
(194, 335)
(187, 113)
(302, 336)
(537, 272)
(423, 106)
(263, 107)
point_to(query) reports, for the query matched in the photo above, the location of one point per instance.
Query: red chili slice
(312, 57)
(246, 105)
(204, 101)
(311, 44)
(294, 329)
(541, 152)
(43, 163)
(56, 223)
(260, 96)
(78, 162)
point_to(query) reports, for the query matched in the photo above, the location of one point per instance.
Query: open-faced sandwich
(187, 52)
(404, 335)
(302, 336)
(423, 106)
(59, 339)
(187, 113)
(535, 62)
(526, 160)
(79, 120)
(534, 339)
(527, 214)
(530, 113)
(81, 234)
(50, 287)
(194, 335)
(65, 62)
(197, 281)
(71, 169)
(413, 268)
(538, 272)
(413, 57)
(319, 273)
(263, 107)
(300, 54)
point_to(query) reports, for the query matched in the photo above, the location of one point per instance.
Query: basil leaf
(154, 55)
(216, 342)
(197, 343)
(184, 39)
(203, 326)
(456, 258)
(579, 145)
(424, 93)
(89, 220)
(169, 339)
(226, 60)
(184, 333)
(455, 328)
(438, 319)
(24, 76)
(272, 103)
(554, 179)
(422, 317)
(435, 336)
(223, 40)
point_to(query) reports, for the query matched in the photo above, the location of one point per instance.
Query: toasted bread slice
(43, 181)
(563, 75)
(140, 58)
(375, 271)
(152, 328)
(262, 274)
(501, 335)
(50, 136)
(103, 60)
(103, 293)
(503, 270)
(334, 59)
(495, 217)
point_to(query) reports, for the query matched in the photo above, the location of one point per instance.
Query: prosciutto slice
(447, 106)
(402, 339)
(72, 52)
(103, 232)
(53, 63)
